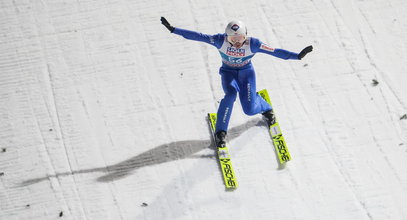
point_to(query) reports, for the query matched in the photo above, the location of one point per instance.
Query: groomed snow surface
(103, 111)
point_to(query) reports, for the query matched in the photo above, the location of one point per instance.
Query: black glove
(304, 52)
(167, 24)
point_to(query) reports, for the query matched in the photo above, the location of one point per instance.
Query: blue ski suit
(237, 73)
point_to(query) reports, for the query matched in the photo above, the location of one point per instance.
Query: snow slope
(102, 111)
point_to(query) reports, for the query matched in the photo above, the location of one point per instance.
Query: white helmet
(236, 28)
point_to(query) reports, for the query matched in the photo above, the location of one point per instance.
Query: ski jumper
(237, 73)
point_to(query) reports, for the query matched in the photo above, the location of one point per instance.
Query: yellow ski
(276, 135)
(223, 158)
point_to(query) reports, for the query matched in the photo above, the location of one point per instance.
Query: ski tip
(230, 189)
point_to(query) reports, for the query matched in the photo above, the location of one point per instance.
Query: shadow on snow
(160, 154)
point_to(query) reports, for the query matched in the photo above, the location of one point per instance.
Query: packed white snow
(103, 111)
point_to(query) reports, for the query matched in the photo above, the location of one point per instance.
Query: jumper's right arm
(215, 40)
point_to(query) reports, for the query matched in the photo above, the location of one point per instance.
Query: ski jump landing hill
(102, 111)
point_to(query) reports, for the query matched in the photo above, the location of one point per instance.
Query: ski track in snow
(103, 112)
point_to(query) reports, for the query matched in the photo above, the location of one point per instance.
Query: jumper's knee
(249, 110)
(230, 97)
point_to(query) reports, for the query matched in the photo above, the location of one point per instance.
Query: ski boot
(269, 115)
(220, 138)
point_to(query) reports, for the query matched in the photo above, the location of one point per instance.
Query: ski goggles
(236, 39)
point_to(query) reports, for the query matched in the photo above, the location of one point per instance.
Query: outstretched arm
(215, 40)
(260, 47)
